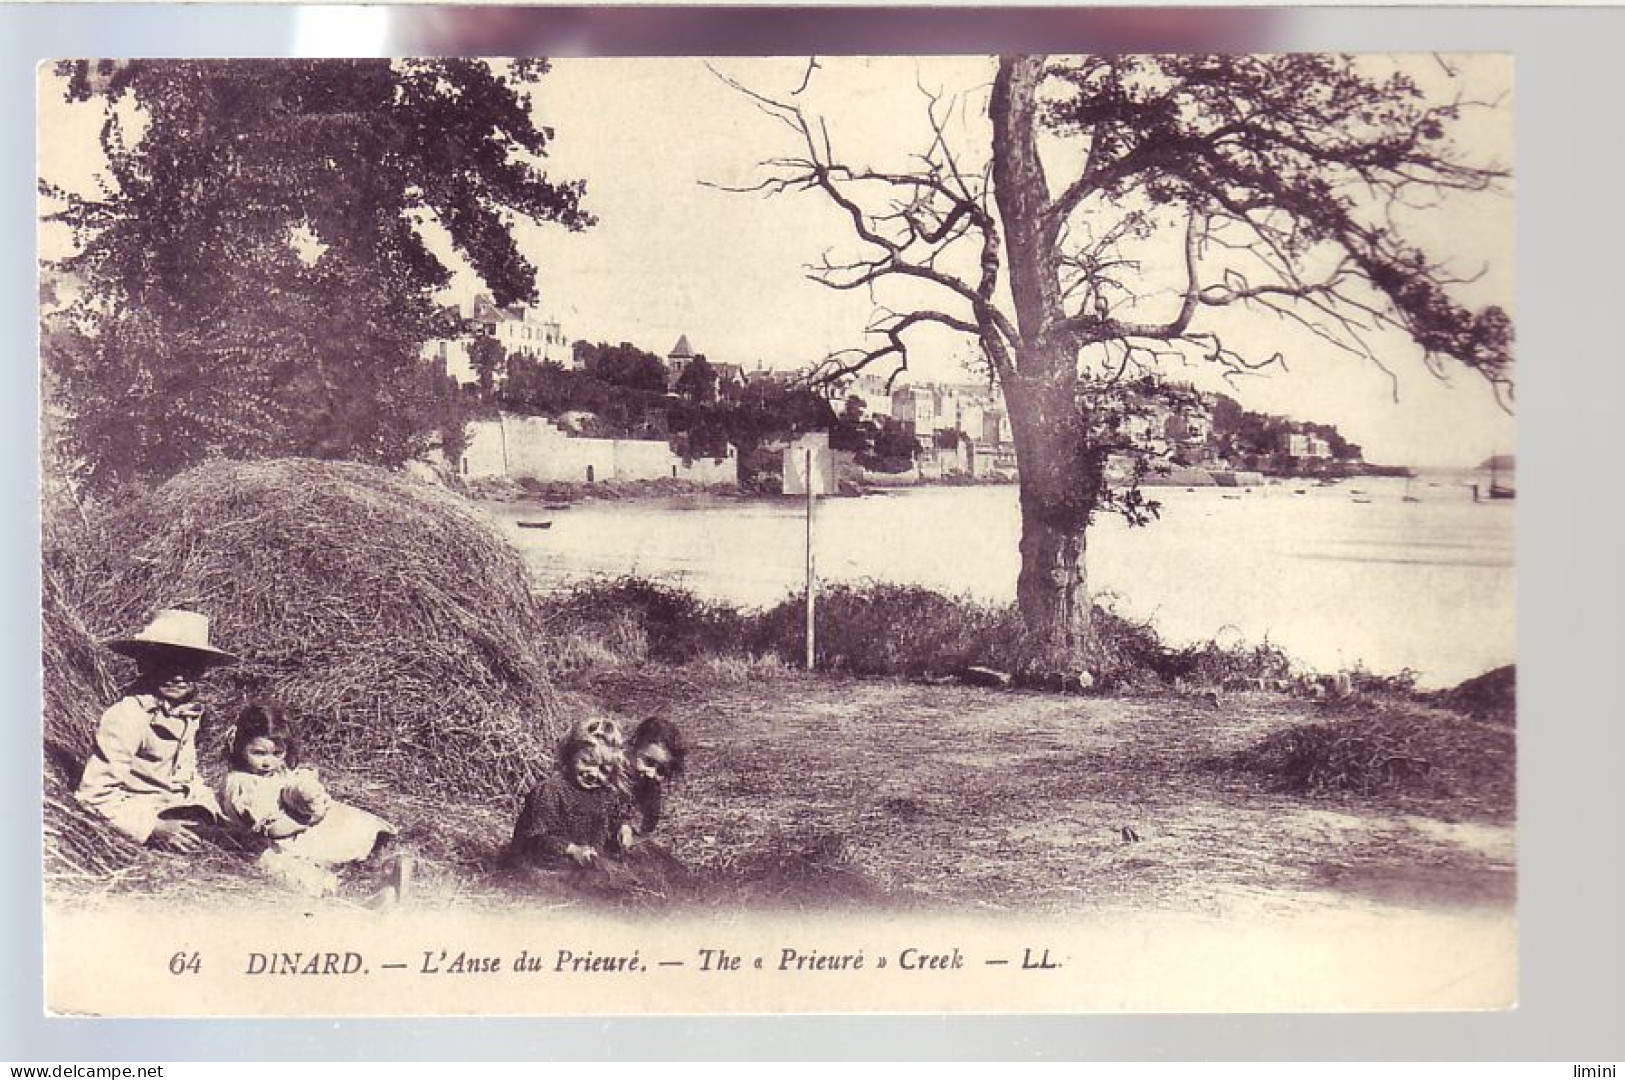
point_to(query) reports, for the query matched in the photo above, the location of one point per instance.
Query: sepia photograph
(778, 534)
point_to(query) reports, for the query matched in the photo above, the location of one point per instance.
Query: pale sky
(673, 256)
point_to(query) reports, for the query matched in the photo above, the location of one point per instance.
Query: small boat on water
(1361, 500)
(535, 524)
(557, 506)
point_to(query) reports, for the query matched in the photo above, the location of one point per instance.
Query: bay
(1381, 574)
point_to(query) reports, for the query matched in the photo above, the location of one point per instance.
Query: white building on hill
(872, 390)
(520, 330)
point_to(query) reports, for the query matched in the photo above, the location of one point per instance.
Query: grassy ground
(939, 795)
(432, 683)
(811, 791)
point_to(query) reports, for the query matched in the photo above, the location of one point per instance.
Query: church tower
(677, 361)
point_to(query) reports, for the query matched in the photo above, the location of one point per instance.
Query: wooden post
(502, 432)
(812, 576)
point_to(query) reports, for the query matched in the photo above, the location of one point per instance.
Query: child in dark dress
(584, 826)
(570, 819)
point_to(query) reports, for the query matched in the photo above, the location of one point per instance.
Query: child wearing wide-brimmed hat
(142, 774)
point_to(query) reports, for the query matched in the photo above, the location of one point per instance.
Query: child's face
(603, 729)
(264, 756)
(178, 683)
(594, 767)
(652, 762)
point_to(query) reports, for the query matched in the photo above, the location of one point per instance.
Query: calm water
(1387, 583)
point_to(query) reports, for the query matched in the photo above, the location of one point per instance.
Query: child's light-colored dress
(277, 807)
(143, 764)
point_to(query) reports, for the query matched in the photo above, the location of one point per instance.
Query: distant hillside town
(553, 410)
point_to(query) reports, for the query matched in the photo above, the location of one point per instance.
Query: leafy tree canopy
(698, 382)
(1298, 160)
(487, 356)
(623, 365)
(255, 273)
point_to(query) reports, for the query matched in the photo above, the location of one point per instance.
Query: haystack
(78, 685)
(393, 621)
(1378, 750)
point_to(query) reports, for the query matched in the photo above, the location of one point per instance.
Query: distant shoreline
(543, 493)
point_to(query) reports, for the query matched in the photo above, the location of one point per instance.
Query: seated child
(142, 775)
(570, 817)
(656, 757)
(309, 831)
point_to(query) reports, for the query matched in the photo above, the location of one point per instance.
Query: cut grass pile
(1492, 696)
(1378, 750)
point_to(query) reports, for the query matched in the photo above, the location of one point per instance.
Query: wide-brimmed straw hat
(176, 633)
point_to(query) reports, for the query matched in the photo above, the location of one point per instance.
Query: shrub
(637, 618)
(1234, 665)
(883, 629)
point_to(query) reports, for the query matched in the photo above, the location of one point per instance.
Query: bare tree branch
(912, 222)
(806, 78)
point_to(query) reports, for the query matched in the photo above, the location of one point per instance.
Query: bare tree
(1280, 185)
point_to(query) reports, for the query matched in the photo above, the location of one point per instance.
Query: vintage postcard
(806, 534)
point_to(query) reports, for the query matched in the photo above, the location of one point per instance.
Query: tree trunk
(1060, 479)
(1053, 588)
(1058, 493)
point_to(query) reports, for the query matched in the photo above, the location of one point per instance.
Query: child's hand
(627, 836)
(582, 855)
(174, 836)
(282, 826)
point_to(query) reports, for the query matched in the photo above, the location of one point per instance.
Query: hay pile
(399, 628)
(79, 679)
(1492, 696)
(78, 685)
(1377, 751)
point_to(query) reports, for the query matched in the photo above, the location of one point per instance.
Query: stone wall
(532, 447)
